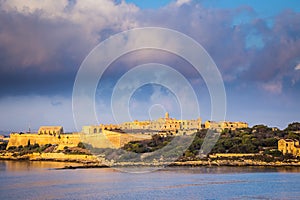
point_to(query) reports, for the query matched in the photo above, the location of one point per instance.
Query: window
(95, 130)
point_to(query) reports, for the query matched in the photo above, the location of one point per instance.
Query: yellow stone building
(163, 124)
(233, 125)
(225, 125)
(97, 136)
(166, 124)
(289, 146)
(50, 130)
(91, 129)
(212, 125)
(116, 135)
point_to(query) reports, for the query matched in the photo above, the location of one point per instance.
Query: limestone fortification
(111, 139)
(112, 136)
(106, 139)
(18, 139)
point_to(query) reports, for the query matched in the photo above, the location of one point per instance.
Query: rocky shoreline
(92, 161)
(58, 157)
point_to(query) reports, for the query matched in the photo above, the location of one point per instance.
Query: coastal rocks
(94, 160)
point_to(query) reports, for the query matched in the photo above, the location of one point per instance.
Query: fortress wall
(97, 140)
(17, 139)
(107, 139)
(118, 140)
(113, 137)
(69, 140)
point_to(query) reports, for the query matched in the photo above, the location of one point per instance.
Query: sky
(255, 45)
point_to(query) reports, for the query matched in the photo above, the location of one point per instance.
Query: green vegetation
(48, 148)
(293, 127)
(254, 140)
(81, 145)
(157, 142)
(258, 139)
(31, 148)
(80, 149)
(3, 146)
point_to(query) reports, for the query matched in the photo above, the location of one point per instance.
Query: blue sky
(263, 7)
(145, 4)
(255, 44)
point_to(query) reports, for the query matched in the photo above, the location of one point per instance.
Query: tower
(167, 115)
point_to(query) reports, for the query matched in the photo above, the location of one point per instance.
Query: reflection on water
(10, 166)
(230, 169)
(38, 180)
(29, 166)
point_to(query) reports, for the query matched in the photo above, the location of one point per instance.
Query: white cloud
(297, 67)
(92, 15)
(47, 7)
(274, 87)
(34, 31)
(181, 2)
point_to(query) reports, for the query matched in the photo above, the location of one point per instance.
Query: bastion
(105, 139)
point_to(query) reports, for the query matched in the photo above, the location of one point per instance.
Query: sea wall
(232, 155)
(111, 139)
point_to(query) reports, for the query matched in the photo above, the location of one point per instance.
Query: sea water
(42, 180)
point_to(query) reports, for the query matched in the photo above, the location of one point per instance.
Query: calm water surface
(40, 180)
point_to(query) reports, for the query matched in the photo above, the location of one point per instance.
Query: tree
(269, 142)
(3, 145)
(81, 145)
(295, 126)
(292, 135)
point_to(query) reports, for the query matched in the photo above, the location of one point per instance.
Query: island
(162, 142)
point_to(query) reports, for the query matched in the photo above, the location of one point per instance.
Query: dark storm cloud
(31, 82)
(276, 61)
(37, 55)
